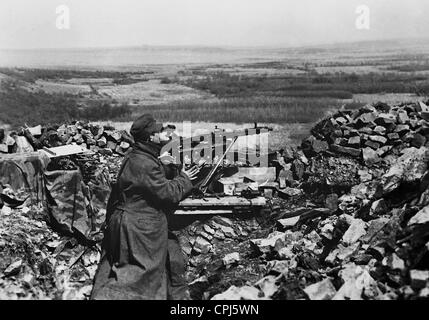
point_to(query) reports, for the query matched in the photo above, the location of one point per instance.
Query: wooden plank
(202, 212)
(64, 151)
(231, 201)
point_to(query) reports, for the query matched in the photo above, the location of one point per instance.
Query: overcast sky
(95, 23)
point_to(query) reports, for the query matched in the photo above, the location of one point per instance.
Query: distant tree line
(338, 85)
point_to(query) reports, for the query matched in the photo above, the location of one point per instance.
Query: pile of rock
(343, 257)
(217, 251)
(103, 139)
(37, 263)
(370, 133)
(353, 221)
(364, 230)
(359, 156)
(200, 237)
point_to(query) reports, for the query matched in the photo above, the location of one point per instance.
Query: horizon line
(220, 46)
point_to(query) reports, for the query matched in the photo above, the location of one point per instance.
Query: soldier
(134, 263)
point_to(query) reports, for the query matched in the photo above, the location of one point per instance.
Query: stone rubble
(369, 167)
(348, 220)
(94, 137)
(38, 264)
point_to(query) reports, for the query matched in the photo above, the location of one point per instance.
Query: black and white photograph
(206, 151)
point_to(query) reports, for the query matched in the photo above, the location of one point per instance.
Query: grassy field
(218, 97)
(411, 67)
(339, 85)
(265, 109)
(297, 87)
(150, 92)
(20, 106)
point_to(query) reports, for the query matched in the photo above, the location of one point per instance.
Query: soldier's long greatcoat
(133, 264)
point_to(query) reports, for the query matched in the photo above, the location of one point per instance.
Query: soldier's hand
(167, 159)
(192, 172)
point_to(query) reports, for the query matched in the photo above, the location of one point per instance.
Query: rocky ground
(349, 219)
(353, 225)
(38, 263)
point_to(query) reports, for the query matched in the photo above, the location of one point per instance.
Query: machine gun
(210, 170)
(219, 140)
